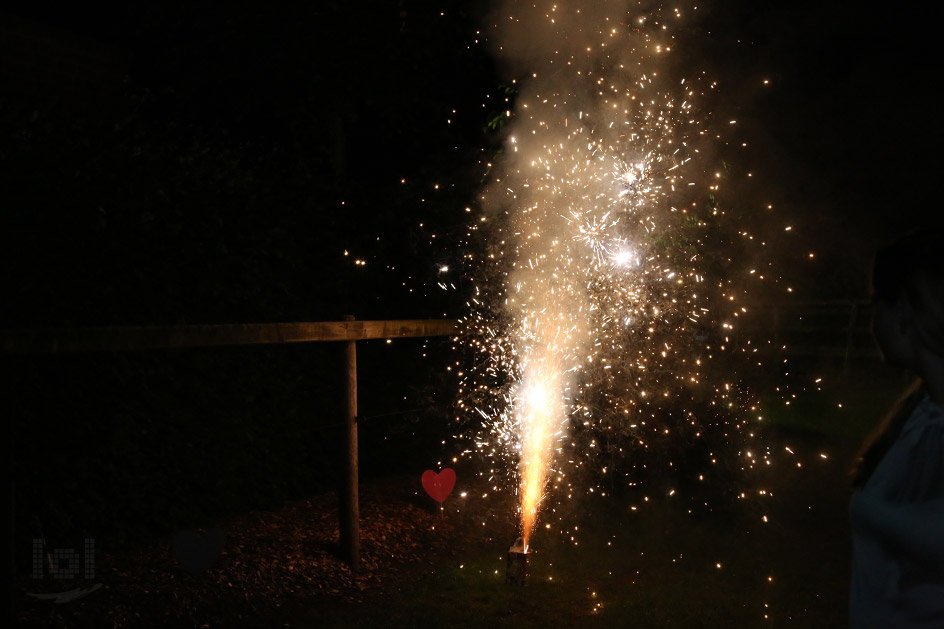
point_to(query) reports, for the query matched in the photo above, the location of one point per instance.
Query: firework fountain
(593, 306)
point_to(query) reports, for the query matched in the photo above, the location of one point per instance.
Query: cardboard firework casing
(516, 570)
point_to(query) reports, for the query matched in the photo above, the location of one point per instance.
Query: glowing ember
(595, 225)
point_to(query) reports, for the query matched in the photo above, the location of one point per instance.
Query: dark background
(194, 163)
(190, 163)
(186, 162)
(846, 140)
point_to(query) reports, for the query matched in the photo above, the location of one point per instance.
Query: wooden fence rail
(108, 339)
(21, 342)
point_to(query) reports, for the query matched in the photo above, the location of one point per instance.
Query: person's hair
(910, 270)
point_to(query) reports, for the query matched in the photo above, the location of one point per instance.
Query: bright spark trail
(594, 306)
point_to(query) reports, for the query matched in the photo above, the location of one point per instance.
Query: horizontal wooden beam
(110, 339)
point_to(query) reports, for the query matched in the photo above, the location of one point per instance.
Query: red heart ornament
(439, 485)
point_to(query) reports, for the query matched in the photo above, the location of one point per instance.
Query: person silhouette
(897, 509)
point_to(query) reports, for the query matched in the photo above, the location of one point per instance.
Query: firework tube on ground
(516, 571)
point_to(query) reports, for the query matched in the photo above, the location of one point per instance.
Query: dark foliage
(180, 164)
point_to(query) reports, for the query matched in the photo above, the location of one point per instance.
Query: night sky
(184, 162)
(210, 165)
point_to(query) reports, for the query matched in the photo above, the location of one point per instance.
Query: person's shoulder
(930, 406)
(929, 413)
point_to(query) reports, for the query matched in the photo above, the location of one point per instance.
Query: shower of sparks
(595, 309)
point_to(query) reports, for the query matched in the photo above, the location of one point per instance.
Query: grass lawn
(844, 410)
(657, 566)
(780, 558)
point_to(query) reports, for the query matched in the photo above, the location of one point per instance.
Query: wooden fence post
(10, 602)
(349, 532)
(23, 342)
